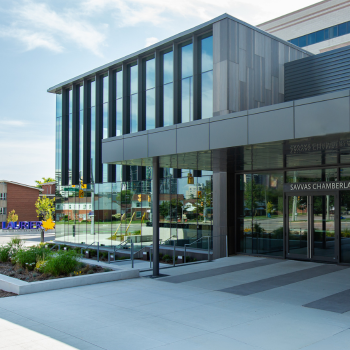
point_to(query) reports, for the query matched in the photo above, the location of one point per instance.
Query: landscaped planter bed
(22, 274)
(4, 294)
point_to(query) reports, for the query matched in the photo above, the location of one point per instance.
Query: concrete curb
(10, 284)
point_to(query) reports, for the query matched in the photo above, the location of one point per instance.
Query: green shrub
(61, 263)
(4, 253)
(15, 245)
(28, 258)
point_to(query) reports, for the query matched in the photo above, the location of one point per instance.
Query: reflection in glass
(345, 222)
(150, 109)
(150, 74)
(119, 84)
(207, 95)
(187, 61)
(105, 89)
(186, 100)
(93, 93)
(81, 143)
(93, 140)
(168, 105)
(104, 172)
(298, 207)
(105, 120)
(70, 147)
(168, 66)
(59, 104)
(134, 113)
(81, 97)
(119, 117)
(70, 100)
(133, 80)
(207, 53)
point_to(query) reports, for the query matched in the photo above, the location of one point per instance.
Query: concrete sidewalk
(240, 302)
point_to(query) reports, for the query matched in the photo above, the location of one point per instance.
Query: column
(155, 216)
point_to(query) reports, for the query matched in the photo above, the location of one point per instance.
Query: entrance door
(312, 226)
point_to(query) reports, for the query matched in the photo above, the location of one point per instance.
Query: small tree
(45, 207)
(12, 217)
(45, 180)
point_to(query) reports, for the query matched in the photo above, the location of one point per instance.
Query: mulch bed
(33, 276)
(4, 294)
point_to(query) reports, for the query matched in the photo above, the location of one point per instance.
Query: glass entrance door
(312, 227)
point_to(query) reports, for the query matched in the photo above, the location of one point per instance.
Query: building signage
(21, 225)
(317, 186)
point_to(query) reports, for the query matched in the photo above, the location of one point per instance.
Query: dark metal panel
(271, 126)
(155, 219)
(320, 74)
(126, 104)
(135, 147)
(229, 133)
(65, 136)
(111, 117)
(75, 137)
(112, 151)
(159, 89)
(196, 78)
(99, 130)
(193, 138)
(327, 117)
(87, 132)
(161, 143)
(177, 84)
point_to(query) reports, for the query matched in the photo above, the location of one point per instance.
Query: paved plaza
(29, 237)
(239, 302)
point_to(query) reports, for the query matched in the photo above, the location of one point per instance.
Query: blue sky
(46, 42)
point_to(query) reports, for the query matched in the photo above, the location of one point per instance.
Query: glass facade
(187, 83)
(207, 77)
(70, 134)
(133, 96)
(119, 103)
(168, 88)
(58, 158)
(150, 93)
(81, 131)
(322, 35)
(92, 91)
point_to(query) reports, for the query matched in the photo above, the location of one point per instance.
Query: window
(0, 210)
(81, 130)
(105, 106)
(119, 103)
(207, 77)
(92, 89)
(0, 196)
(321, 35)
(4, 211)
(70, 135)
(133, 92)
(168, 78)
(5, 196)
(187, 83)
(150, 95)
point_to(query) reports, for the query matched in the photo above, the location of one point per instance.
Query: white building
(321, 27)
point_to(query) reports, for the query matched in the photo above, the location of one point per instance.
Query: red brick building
(18, 197)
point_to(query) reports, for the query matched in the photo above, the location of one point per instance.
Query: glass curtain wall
(133, 96)
(344, 218)
(168, 88)
(260, 213)
(119, 103)
(58, 170)
(207, 77)
(81, 131)
(70, 135)
(92, 106)
(150, 93)
(105, 121)
(186, 52)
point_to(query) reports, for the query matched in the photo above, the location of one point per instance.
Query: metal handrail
(169, 239)
(188, 244)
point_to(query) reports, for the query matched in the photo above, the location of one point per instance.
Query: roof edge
(19, 184)
(54, 88)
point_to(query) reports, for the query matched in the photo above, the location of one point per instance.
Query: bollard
(98, 251)
(174, 255)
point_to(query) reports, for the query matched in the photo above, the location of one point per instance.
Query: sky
(47, 42)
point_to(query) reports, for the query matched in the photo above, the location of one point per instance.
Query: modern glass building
(223, 131)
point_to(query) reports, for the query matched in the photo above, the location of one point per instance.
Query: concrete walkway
(241, 302)
(30, 237)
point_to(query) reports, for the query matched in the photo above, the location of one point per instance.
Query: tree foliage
(45, 180)
(12, 216)
(45, 207)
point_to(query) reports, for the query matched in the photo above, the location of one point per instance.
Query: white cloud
(151, 41)
(12, 123)
(37, 25)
